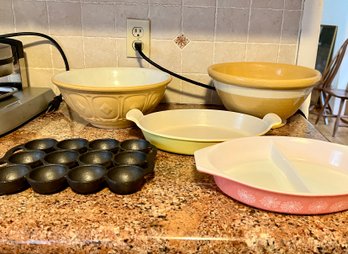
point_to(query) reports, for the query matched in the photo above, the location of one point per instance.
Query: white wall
(335, 13)
(310, 29)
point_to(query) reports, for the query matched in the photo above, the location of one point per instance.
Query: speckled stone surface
(178, 211)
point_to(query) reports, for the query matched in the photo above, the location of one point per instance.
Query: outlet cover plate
(138, 30)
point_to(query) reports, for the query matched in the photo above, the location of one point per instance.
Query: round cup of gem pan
(47, 179)
(97, 157)
(136, 145)
(63, 157)
(108, 144)
(31, 158)
(45, 144)
(86, 179)
(77, 144)
(12, 178)
(125, 179)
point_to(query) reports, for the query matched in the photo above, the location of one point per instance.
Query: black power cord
(138, 47)
(55, 103)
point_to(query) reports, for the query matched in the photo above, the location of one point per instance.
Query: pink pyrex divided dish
(280, 174)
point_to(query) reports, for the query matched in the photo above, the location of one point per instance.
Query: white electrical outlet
(138, 30)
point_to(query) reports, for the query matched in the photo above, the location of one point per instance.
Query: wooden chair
(325, 87)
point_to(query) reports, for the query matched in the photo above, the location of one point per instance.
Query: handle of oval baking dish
(134, 115)
(272, 120)
(202, 160)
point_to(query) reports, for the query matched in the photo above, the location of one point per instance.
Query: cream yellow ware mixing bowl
(103, 96)
(258, 88)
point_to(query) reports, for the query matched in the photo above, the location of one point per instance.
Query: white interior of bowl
(110, 77)
(265, 75)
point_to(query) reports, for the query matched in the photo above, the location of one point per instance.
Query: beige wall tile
(196, 94)
(199, 2)
(30, 16)
(173, 91)
(229, 52)
(71, 1)
(262, 52)
(274, 4)
(134, 1)
(196, 57)
(116, 1)
(165, 21)
(139, 11)
(166, 2)
(287, 54)
(98, 20)
(6, 17)
(293, 4)
(37, 52)
(65, 18)
(73, 49)
(233, 3)
(42, 78)
(166, 54)
(123, 60)
(198, 23)
(232, 24)
(265, 25)
(100, 52)
(291, 26)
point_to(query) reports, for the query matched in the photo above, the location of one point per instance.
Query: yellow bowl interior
(264, 75)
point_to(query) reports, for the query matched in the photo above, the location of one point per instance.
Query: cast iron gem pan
(49, 166)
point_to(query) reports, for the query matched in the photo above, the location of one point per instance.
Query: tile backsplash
(186, 36)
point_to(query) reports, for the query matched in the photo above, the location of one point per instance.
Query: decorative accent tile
(181, 41)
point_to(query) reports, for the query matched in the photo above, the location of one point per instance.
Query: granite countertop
(178, 211)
